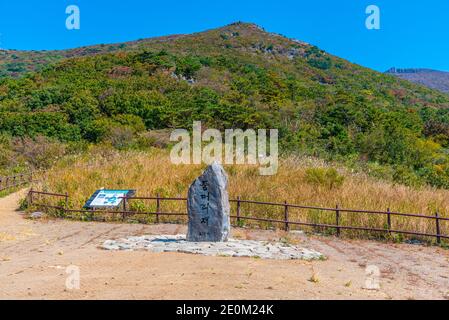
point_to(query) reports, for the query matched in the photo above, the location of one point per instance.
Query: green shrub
(137, 206)
(406, 176)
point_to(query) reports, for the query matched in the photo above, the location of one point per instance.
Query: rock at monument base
(208, 206)
(232, 248)
(36, 215)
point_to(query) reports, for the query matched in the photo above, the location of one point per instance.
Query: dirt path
(34, 256)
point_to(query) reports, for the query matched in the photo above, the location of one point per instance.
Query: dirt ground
(34, 256)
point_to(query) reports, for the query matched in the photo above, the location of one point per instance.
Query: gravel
(231, 248)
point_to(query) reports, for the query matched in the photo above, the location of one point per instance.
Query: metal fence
(238, 217)
(11, 182)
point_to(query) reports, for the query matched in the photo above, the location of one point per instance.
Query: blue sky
(413, 33)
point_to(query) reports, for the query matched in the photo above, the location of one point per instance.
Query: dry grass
(6, 237)
(152, 173)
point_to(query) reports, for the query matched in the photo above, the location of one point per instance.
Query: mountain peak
(244, 24)
(239, 35)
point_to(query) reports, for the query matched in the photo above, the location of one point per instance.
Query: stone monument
(208, 206)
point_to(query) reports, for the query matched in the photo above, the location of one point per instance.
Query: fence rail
(286, 222)
(10, 182)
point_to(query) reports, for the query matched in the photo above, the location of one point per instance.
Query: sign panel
(107, 198)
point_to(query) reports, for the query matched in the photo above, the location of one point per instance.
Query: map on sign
(105, 198)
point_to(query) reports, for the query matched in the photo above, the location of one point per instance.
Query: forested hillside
(238, 76)
(17, 63)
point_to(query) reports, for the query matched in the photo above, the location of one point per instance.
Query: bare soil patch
(34, 256)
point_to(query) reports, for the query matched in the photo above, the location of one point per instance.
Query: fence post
(337, 219)
(437, 221)
(158, 207)
(124, 208)
(66, 201)
(287, 227)
(238, 210)
(1, 184)
(389, 220)
(7, 183)
(124, 203)
(30, 195)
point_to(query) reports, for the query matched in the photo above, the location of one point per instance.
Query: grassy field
(304, 181)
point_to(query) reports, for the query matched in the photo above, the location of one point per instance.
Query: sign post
(108, 199)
